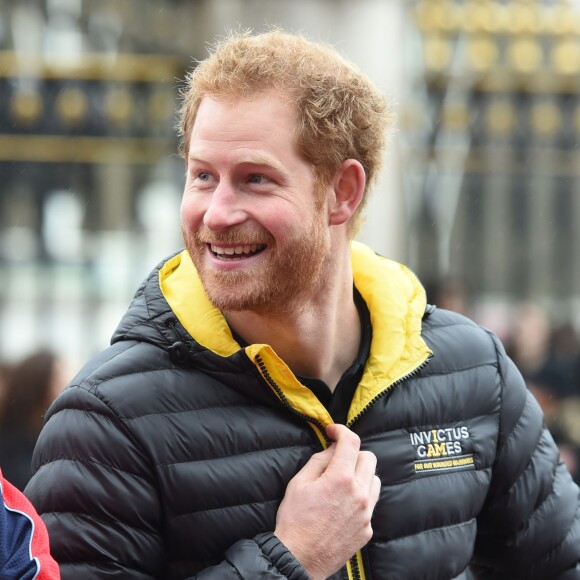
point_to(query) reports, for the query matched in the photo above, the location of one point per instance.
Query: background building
(480, 186)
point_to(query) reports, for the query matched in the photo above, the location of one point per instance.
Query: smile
(237, 252)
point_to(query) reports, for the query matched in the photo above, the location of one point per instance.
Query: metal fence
(491, 126)
(90, 188)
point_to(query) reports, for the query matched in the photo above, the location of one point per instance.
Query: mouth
(240, 252)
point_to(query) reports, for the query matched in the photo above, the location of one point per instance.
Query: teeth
(236, 250)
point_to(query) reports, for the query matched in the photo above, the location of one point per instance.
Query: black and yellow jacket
(169, 453)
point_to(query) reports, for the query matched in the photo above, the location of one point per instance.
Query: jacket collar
(394, 296)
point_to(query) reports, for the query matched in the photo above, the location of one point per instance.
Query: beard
(285, 279)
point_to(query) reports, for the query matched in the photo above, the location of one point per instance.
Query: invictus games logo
(441, 449)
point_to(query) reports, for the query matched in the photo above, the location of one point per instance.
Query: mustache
(239, 235)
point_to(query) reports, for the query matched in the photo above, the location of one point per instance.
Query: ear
(348, 188)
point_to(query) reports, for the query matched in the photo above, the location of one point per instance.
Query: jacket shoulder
(458, 342)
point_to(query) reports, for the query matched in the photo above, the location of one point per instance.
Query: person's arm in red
(24, 545)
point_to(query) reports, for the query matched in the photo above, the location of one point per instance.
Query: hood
(149, 317)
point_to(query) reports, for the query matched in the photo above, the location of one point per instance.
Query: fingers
(366, 478)
(336, 490)
(346, 449)
(348, 458)
(366, 466)
(343, 459)
(335, 429)
(316, 465)
(375, 492)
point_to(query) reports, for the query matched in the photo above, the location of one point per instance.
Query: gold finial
(565, 56)
(430, 15)
(26, 107)
(525, 54)
(482, 52)
(500, 117)
(455, 116)
(437, 52)
(524, 18)
(71, 105)
(119, 106)
(545, 119)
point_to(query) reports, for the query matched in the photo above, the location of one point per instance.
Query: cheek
(191, 212)
(277, 229)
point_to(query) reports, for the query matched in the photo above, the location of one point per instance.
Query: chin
(228, 292)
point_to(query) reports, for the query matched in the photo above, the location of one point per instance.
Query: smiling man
(281, 402)
(251, 223)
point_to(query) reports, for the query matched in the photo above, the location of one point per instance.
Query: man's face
(251, 221)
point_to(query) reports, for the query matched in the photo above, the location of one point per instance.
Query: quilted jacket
(168, 454)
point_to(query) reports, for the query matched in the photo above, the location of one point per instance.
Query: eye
(201, 180)
(256, 179)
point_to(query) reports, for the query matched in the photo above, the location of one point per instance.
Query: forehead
(263, 111)
(265, 122)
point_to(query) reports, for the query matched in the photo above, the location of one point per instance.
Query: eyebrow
(262, 161)
(258, 160)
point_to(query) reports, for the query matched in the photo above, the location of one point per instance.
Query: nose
(225, 208)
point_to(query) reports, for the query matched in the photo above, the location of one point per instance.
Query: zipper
(388, 389)
(279, 391)
(354, 568)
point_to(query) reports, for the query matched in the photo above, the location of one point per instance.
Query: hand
(325, 516)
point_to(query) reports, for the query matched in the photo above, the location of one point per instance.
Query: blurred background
(480, 193)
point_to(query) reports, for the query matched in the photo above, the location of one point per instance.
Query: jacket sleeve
(95, 489)
(263, 557)
(530, 525)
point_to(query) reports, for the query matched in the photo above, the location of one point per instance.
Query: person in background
(565, 351)
(450, 293)
(279, 401)
(530, 345)
(31, 386)
(4, 372)
(24, 545)
(544, 353)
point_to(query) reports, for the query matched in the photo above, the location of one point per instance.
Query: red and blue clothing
(24, 546)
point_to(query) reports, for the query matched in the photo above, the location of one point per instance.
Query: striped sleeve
(24, 546)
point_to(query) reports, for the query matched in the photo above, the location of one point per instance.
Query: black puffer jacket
(169, 453)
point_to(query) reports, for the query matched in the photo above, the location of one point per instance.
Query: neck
(318, 338)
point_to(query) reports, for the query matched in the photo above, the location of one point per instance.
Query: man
(279, 401)
(24, 548)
